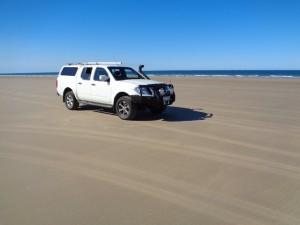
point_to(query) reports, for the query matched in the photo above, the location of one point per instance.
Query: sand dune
(227, 152)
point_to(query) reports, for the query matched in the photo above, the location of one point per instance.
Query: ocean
(195, 73)
(228, 73)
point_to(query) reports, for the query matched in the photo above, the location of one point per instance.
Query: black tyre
(125, 108)
(158, 109)
(70, 101)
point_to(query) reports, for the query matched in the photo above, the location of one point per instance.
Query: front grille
(156, 87)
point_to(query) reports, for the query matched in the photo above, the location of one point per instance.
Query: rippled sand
(227, 152)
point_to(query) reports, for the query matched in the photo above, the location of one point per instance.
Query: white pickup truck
(112, 85)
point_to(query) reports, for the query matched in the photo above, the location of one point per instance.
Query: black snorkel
(142, 72)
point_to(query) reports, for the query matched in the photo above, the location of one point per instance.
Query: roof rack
(96, 63)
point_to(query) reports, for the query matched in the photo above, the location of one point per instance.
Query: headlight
(171, 88)
(162, 91)
(144, 91)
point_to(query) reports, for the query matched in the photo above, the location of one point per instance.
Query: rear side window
(86, 73)
(69, 71)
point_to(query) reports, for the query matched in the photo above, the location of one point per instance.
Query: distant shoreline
(190, 73)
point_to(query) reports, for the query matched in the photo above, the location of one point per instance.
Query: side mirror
(103, 78)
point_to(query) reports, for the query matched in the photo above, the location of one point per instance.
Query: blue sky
(38, 36)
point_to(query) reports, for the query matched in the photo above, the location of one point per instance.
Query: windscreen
(124, 73)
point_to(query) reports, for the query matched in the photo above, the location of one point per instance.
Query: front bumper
(153, 100)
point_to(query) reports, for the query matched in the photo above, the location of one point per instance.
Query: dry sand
(227, 152)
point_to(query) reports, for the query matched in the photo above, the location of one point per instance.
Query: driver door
(101, 90)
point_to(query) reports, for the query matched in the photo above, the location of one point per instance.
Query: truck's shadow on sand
(172, 114)
(175, 114)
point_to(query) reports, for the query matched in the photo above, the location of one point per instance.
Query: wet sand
(227, 152)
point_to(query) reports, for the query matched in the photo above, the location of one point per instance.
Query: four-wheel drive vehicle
(112, 85)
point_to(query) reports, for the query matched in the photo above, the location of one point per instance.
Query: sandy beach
(227, 152)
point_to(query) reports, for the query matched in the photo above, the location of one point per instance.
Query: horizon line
(156, 70)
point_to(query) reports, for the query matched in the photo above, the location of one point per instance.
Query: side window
(99, 71)
(86, 73)
(69, 71)
(117, 73)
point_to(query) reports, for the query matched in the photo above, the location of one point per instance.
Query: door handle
(93, 84)
(79, 83)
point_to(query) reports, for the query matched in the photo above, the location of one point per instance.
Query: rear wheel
(70, 101)
(125, 108)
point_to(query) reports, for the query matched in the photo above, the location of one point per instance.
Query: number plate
(166, 100)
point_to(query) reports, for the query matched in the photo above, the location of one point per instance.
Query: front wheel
(125, 108)
(70, 101)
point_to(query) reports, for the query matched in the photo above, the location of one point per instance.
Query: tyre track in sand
(211, 154)
(222, 140)
(160, 186)
(294, 131)
(20, 97)
(24, 100)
